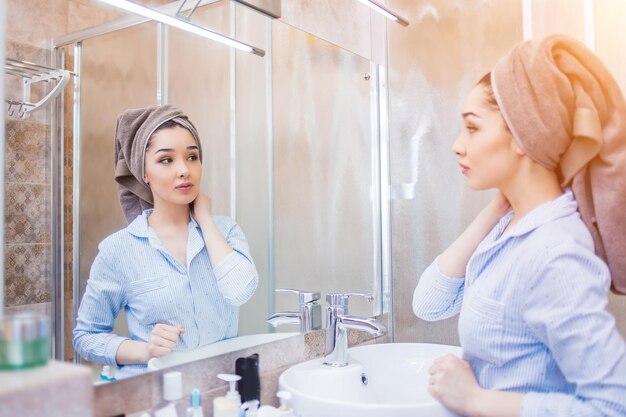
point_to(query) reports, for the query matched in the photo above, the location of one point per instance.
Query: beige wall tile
(70, 322)
(27, 274)
(27, 152)
(27, 213)
(31, 24)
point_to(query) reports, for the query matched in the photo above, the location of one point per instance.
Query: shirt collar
(139, 227)
(563, 206)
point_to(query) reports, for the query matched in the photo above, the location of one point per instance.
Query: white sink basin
(396, 377)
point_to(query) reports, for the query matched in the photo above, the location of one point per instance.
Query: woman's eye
(192, 157)
(165, 161)
(470, 128)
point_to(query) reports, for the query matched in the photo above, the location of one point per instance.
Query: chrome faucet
(337, 324)
(309, 315)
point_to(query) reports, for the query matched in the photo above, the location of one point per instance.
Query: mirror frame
(380, 167)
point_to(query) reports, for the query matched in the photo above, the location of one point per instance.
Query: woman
(544, 129)
(178, 272)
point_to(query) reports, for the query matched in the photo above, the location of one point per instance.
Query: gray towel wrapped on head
(134, 128)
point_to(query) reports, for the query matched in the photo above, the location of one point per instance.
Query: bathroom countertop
(11, 381)
(57, 389)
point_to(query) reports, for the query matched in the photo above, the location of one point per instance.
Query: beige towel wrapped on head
(134, 128)
(568, 114)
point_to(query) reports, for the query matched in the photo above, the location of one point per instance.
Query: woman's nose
(457, 147)
(183, 170)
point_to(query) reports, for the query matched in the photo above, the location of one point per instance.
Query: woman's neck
(533, 187)
(167, 217)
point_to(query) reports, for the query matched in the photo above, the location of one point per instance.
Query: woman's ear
(516, 146)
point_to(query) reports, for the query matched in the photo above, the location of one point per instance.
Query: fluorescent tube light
(149, 13)
(385, 12)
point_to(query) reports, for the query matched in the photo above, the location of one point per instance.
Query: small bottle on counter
(172, 392)
(283, 411)
(107, 374)
(195, 408)
(249, 408)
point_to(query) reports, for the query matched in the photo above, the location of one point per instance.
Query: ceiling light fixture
(385, 12)
(153, 14)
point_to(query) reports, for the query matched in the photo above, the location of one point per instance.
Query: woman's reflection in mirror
(179, 273)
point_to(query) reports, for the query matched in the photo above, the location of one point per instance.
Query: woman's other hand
(453, 261)
(216, 245)
(163, 339)
(201, 208)
(452, 383)
(498, 206)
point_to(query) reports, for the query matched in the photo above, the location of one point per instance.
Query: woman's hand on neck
(216, 244)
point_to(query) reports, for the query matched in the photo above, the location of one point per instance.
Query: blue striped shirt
(533, 315)
(133, 271)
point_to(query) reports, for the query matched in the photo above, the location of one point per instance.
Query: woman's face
(173, 169)
(488, 154)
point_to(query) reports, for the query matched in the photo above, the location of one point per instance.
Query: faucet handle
(368, 297)
(341, 299)
(304, 297)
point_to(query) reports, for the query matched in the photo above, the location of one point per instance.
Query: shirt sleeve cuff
(530, 405)
(228, 263)
(110, 351)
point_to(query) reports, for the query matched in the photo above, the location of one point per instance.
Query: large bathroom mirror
(290, 143)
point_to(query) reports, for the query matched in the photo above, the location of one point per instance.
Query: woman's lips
(464, 169)
(185, 187)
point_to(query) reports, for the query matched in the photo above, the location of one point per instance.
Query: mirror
(290, 144)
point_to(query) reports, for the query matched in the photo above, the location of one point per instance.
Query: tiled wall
(27, 223)
(31, 25)
(27, 196)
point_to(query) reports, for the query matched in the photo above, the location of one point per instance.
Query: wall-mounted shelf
(30, 74)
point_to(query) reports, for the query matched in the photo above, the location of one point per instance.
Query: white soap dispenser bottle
(228, 406)
(284, 410)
